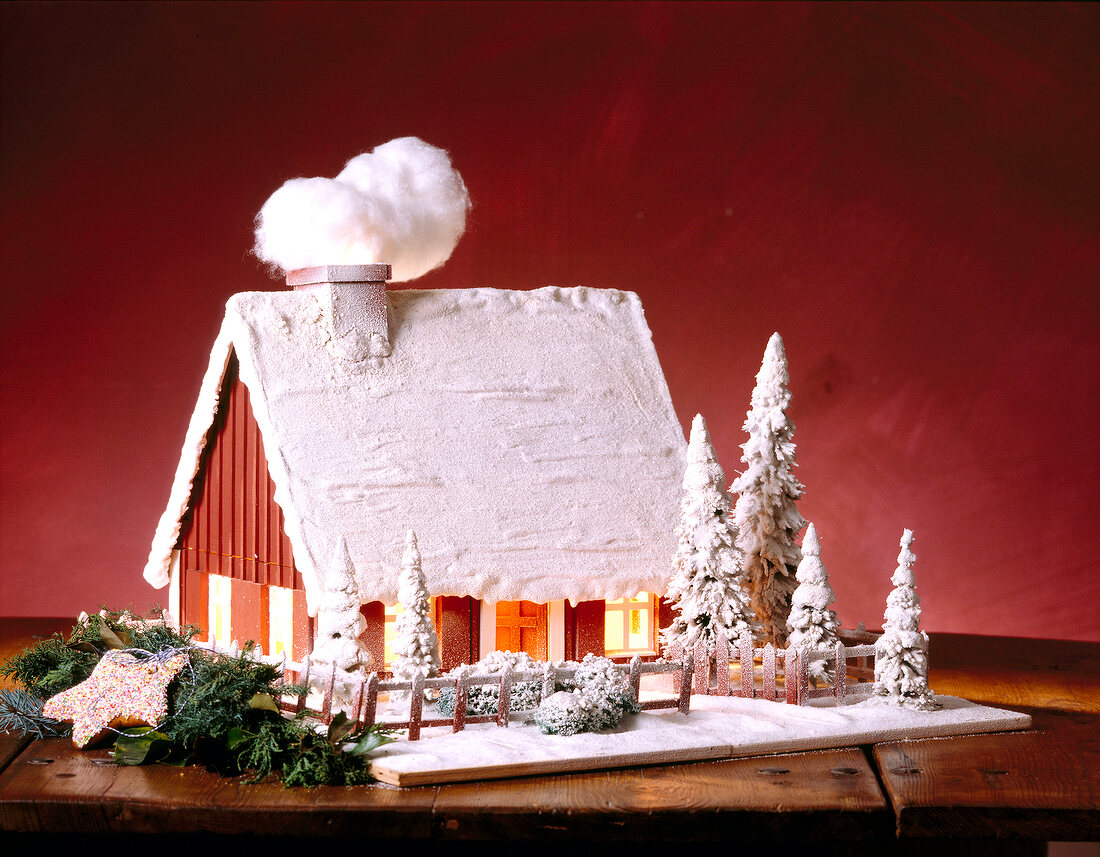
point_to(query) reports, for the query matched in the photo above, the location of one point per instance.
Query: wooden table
(973, 795)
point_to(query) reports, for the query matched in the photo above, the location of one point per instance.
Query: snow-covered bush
(562, 713)
(601, 697)
(597, 697)
(485, 698)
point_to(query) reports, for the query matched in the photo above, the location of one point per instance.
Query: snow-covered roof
(528, 438)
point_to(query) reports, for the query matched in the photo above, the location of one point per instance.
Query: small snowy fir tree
(706, 589)
(339, 624)
(766, 517)
(901, 653)
(811, 623)
(415, 646)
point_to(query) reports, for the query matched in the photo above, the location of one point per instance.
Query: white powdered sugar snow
(527, 437)
(715, 728)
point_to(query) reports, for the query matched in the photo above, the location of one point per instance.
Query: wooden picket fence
(784, 673)
(365, 703)
(783, 677)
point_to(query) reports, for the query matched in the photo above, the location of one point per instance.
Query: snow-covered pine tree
(706, 589)
(901, 653)
(339, 624)
(415, 645)
(811, 623)
(766, 516)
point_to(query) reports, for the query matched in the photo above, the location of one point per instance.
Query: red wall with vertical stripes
(235, 527)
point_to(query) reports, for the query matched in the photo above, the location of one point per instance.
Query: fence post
(840, 673)
(358, 704)
(803, 678)
(548, 681)
(685, 683)
(790, 674)
(748, 668)
(722, 665)
(460, 701)
(636, 677)
(701, 680)
(416, 706)
(676, 653)
(326, 706)
(505, 697)
(370, 704)
(769, 673)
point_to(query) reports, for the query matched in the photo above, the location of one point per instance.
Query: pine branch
(22, 712)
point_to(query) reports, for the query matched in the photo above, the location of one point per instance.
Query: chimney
(353, 298)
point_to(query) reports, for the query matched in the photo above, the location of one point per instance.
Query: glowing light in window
(221, 599)
(280, 620)
(629, 625)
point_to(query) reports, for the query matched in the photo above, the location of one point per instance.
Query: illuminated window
(280, 620)
(521, 626)
(629, 625)
(392, 612)
(221, 597)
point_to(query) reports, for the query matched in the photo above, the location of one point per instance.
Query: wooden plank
(830, 794)
(246, 619)
(768, 670)
(374, 637)
(1031, 785)
(724, 727)
(722, 662)
(840, 668)
(196, 601)
(11, 744)
(54, 787)
(1042, 675)
(1041, 784)
(589, 617)
(456, 631)
(747, 665)
(1058, 683)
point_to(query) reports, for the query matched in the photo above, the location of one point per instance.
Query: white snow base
(716, 728)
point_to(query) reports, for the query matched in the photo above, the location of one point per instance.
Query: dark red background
(908, 194)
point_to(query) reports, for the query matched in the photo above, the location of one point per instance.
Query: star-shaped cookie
(123, 690)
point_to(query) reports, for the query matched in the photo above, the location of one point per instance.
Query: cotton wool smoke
(402, 204)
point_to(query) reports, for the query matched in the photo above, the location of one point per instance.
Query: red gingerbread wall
(908, 193)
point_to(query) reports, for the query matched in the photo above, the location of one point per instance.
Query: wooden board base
(716, 728)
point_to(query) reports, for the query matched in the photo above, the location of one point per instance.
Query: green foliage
(223, 711)
(50, 667)
(142, 745)
(22, 712)
(58, 663)
(303, 756)
(213, 696)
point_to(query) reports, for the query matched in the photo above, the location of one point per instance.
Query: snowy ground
(716, 728)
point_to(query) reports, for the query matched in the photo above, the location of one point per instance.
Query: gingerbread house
(528, 438)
